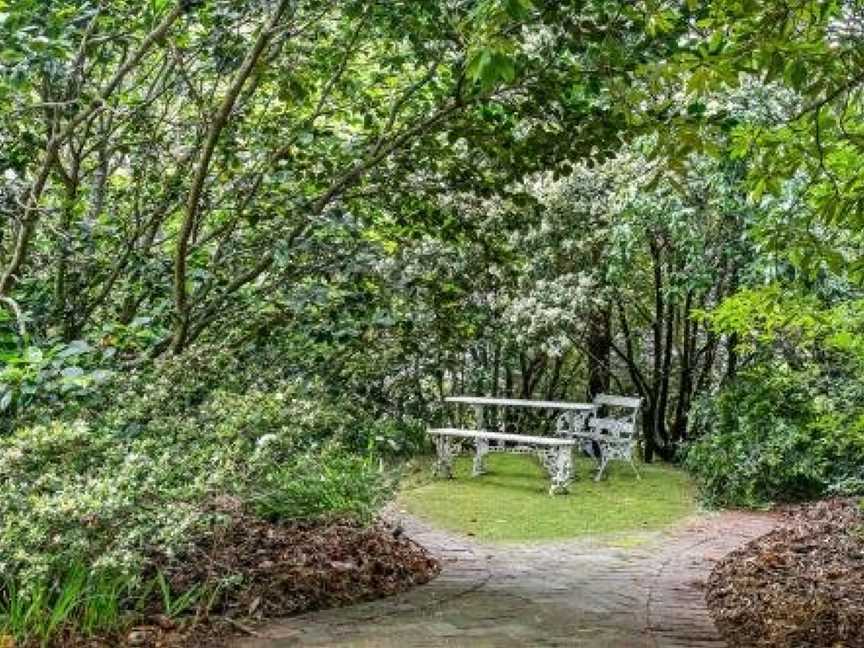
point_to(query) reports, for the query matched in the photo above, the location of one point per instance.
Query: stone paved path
(576, 593)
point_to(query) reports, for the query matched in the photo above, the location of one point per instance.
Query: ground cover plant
(511, 502)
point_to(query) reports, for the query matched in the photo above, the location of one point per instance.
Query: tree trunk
(666, 450)
(685, 379)
(63, 311)
(202, 169)
(649, 445)
(657, 347)
(599, 351)
(731, 357)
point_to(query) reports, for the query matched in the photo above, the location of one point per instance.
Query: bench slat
(500, 436)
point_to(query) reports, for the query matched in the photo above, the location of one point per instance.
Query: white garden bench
(615, 434)
(555, 453)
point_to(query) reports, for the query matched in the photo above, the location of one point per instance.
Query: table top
(520, 402)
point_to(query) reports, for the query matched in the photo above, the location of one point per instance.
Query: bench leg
(482, 449)
(562, 470)
(444, 465)
(635, 469)
(604, 461)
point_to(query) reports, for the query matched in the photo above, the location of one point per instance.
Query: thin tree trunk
(657, 348)
(30, 214)
(599, 351)
(62, 310)
(628, 355)
(202, 169)
(731, 357)
(663, 390)
(685, 379)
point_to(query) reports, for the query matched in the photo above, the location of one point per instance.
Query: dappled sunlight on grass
(511, 501)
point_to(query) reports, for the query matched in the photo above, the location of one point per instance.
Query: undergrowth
(94, 506)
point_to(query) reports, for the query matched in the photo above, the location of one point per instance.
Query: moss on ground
(511, 503)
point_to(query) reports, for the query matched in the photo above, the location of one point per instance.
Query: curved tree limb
(31, 205)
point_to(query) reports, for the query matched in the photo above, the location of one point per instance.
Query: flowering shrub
(139, 482)
(72, 493)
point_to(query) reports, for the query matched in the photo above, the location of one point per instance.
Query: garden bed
(277, 570)
(801, 585)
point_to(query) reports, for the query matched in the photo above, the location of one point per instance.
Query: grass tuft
(41, 612)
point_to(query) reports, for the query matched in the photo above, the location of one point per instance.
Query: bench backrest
(629, 402)
(619, 420)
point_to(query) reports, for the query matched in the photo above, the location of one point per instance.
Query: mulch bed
(800, 585)
(279, 570)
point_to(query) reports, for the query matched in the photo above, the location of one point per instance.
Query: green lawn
(511, 502)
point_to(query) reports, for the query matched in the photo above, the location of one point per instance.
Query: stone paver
(576, 593)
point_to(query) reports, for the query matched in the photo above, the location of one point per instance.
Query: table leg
(482, 449)
(479, 419)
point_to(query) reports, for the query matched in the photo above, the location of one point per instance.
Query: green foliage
(82, 602)
(330, 483)
(799, 130)
(140, 480)
(789, 426)
(769, 315)
(367, 112)
(76, 598)
(173, 604)
(46, 376)
(776, 434)
(397, 201)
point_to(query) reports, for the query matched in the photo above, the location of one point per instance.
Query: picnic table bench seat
(555, 453)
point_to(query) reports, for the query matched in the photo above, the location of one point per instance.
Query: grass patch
(511, 503)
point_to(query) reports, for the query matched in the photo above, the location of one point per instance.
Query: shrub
(137, 483)
(37, 380)
(776, 434)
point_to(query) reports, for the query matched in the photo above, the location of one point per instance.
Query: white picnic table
(616, 437)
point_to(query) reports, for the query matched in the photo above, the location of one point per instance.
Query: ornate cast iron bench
(555, 453)
(615, 435)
